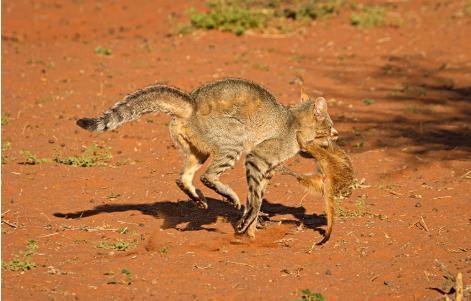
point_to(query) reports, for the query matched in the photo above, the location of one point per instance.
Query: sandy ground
(412, 147)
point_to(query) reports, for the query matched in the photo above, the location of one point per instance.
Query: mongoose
(335, 180)
(224, 119)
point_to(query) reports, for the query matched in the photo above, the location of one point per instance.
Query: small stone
(386, 282)
(328, 272)
(418, 205)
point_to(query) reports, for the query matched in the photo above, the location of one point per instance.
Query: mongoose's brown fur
(335, 180)
(223, 119)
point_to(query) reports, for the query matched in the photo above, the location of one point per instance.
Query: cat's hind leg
(185, 181)
(194, 159)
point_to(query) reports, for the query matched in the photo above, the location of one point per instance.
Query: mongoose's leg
(258, 169)
(223, 160)
(314, 183)
(185, 181)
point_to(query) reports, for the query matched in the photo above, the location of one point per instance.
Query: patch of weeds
(102, 51)
(80, 241)
(117, 279)
(308, 295)
(411, 110)
(360, 205)
(182, 29)
(40, 62)
(358, 144)
(41, 101)
(123, 162)
(238, 16)
(339, 210)
(311, 10)
(368, 101)
(164, 250)
(6, 119)
(127, 274)
(118, 245)
(113, 196)
(468, 8)
(22, 262)
(31, 159)
(122, 230)
(93, 155)
(370, 16)
(414, 90)
(298, 57)
(261, 67)
(359, 211)
(359, 183)
(6, 146)
(227, 16)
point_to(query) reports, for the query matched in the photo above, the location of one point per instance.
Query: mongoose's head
(315, 124)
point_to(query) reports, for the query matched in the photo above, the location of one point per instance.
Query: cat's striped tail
(158, 98)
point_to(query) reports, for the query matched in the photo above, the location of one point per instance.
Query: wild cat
(335, 180)
(223, 119)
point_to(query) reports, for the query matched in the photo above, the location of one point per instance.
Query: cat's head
(315, 124)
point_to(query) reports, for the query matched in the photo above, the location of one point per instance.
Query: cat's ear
(320, 108)
(304, 97)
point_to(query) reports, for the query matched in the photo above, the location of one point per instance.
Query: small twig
(443, 268)
(122, 222)
(441, 197)
(55, 233)
(459, 287)
(302, 199)
(209, 266)
(240, 263)
(4, 221)
(395, 193)
(424, 224)
(466, 175)
(5, 212)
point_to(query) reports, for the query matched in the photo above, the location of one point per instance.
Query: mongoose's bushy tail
(158, 98)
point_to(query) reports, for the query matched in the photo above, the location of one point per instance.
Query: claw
(246, 221)
(201, 202)
(235, 203)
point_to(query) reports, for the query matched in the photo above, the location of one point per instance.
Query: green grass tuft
(102, 51)
(6, 119)
(164, 250)
(311, 10)
(6, 146)
(238, 16)
(22, 262)
(227, 16)
(118, 245)
(370, 16)
(31, 159)
(93, 155)
(307, 295)
(368, 101)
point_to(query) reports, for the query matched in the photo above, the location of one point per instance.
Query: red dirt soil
(412, 145)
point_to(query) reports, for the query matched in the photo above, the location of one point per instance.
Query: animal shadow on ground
(195, 218)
